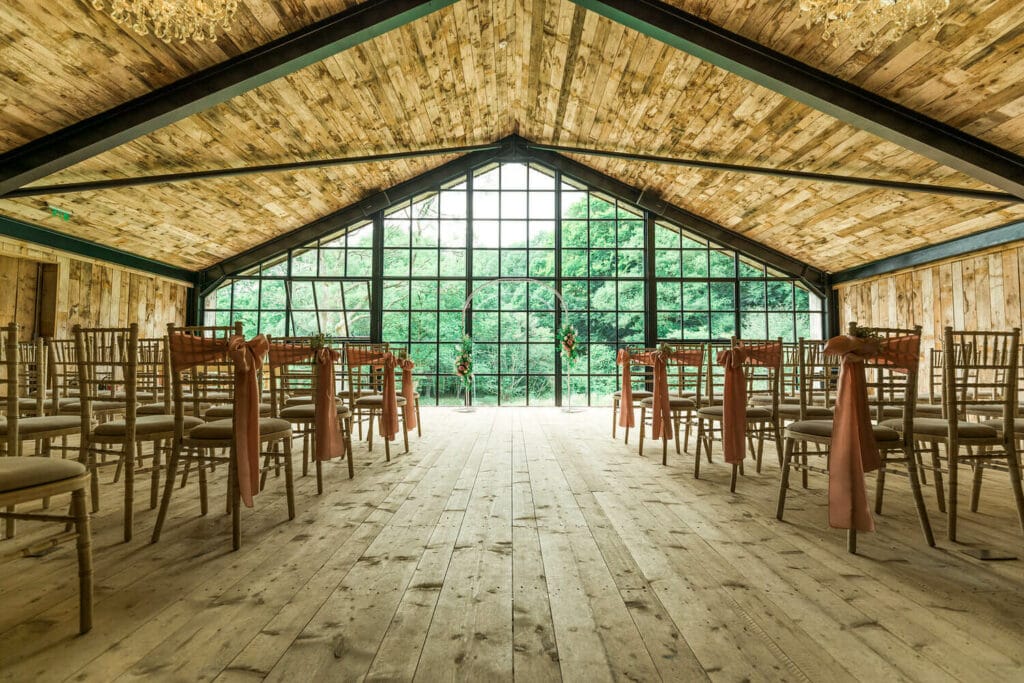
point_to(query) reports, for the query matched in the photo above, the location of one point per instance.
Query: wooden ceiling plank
(46, 155)
(842, 100)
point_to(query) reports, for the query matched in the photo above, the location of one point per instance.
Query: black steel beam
(91, 250)
(513, 148)
(1003, 234)
(195, 93)
(824, 92)
(114, 183)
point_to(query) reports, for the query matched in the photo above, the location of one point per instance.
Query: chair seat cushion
(152, 409)
(146, 424)
(74, 406)
(308, 411)
(23, 472)
(298, 400)
(1018, 425)
(219, 430)
(813, 412)
(227, 410)
(28, 426)
(931, 426)
(25, 404)
(993, 409)
(920, 410)
(673, 401)
(139, 395)
(823, 429)
(764, 399)
(376, 400)
(637, 395)
(752, 413)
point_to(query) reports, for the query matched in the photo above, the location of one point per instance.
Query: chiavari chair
(404, 353)
(640, 374)
(365, 391)
(685, 379)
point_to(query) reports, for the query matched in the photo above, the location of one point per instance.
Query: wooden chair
(214, 440)
(685, 382)
(365, 393)
(347, 391)
(762, 421)
(985, 374)
(817, 376)
(887, 384)
(640, 374)
(404, 353)
(153, 377)
(292, 398)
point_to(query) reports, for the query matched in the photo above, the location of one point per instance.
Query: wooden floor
(526, 544)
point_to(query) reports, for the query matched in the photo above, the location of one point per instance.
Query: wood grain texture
(89, 293)
(519, 544)
(479, 70)
(981, 290)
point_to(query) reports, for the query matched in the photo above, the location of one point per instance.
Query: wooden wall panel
(981, 290)
(89, 293)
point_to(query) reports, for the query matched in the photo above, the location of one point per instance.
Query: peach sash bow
(854, 450)
(734, 394)
(626, 418)
(328, 441)
(188, 351)
(408, 392)
(661, 415)
(388, 427)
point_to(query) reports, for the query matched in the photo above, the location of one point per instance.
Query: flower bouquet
(571, 350)
(464, 365)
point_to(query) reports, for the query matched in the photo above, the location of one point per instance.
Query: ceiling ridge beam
(840, 99)
(204, 89)
(950, 249)
(77, 246)
(512, 148)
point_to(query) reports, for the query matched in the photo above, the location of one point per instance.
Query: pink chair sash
(854, 450)
(734, 394)
(328, 443)
(188, 351)
(661, 415)
(408, 392)
(388, 427)
(626, 418)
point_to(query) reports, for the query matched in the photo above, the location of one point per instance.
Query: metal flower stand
(469, 396)
(568, 407)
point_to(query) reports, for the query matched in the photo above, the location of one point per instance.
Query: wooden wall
(92, 293)
(979, 291)
(18, 292)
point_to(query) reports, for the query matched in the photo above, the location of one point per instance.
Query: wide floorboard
(525, 544)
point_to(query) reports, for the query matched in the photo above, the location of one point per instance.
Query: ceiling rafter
(202, 90)
(826, 93)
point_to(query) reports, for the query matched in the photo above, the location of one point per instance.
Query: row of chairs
(964, 422)
(123, 396)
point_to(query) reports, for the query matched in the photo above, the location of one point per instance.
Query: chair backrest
(294, 380)
(683, 374)
(107, 360)
(714, 387)
(210, 381)
(789, 381)
(642, 376)
(363, 377)
(818, 375)
(153, 372)
(63, 364)
(9, 382)
(762, 379)
(986, 374)
(32, 373)
(935, 366)
(891, 384)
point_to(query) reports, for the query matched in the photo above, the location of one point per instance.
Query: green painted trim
(26, 232)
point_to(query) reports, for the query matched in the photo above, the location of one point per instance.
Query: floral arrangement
(570, 347)
(464, 361)
(318, 341)
(863, 333)
(666, 349)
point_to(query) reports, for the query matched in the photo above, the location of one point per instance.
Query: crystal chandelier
(172, 19)
(862, 22)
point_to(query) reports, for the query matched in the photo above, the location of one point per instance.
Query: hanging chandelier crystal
(172, 19)
(862, 22)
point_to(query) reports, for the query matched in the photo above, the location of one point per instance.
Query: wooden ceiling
(480, 70)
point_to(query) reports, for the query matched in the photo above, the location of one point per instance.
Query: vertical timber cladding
(95, 293)
(980, 290)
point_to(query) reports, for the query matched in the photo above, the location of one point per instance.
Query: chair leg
(851, 541)
(128, 456)
(760, 446)
(419, 421)
(289, 483)
(879, 489)
(700, 442)
(89, 456)
(915, 489)
(615, 415)
(951, 504)
(937, 477)
(643, 429)
(235, 496)
(83, 543)
(675, 429)
(204, 503)
(1013, 460)
(784, 485)
(405, 435)
(347, 436)
(979, 470)
(172, 471)
(732, 479)
(369, 434)
(387, 448)
(154, 474)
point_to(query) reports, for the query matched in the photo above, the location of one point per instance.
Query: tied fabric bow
(626, 418)
(661, 413)
(854, 450)
(188, 351)
(388, 427)
(734, 394)
(408, 392)
(328, 443)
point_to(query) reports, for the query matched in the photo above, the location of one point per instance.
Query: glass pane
(424, 262)
(752, 295)
(396, 327)
(631, 234)
(305, 323)
(574, 234)
(723, 325)
(513, 176)
(602, 233)
(453, 204)
(302, 296)
(424, 295)
(670, 326)
(723, 264)
(396, 262)
(695, 296)
(723, 296)
(667, 263)
(542, 205)
(513, 234)
(513, 263)
(485, 263)
(696, 326)
(780, 295)
(542, 234)
(304, 263)
(486, 204)
(695, 263)
(542, 263)
(453, 233)
(397, 233)
(272, 295)
(631, 295)
(246, 294)
(423, 326)
(631, 263)
(272, 323)
(452, 295)
(574, 204)
(453, 262)
(513, 205)
(332, 262)
(753, 325)
(602, 262)
(360, 263)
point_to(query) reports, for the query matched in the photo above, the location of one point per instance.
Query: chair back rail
(107, 363)
(209, 382)
(762, 380)
(364, 377)
(818, 375)
(985, 374)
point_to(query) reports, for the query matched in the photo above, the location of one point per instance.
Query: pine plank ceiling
(480, 70)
